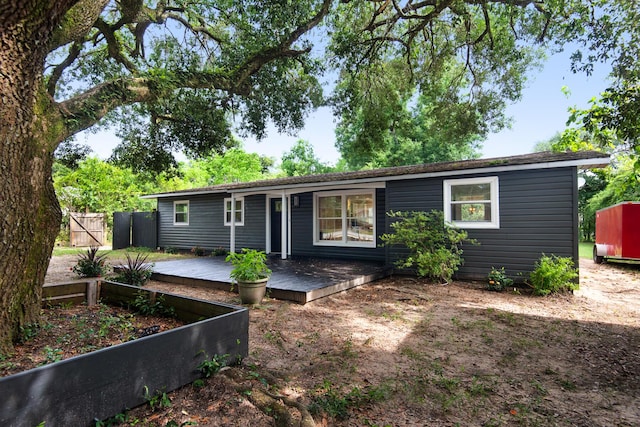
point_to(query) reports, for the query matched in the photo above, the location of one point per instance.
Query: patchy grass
(585, 250)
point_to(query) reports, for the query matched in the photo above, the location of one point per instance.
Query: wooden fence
(87, 229)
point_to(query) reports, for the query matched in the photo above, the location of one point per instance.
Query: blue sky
(541, 113)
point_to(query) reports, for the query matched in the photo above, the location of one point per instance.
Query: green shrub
(136, 271)
(498, 280)
(171, 250)
(553, 274)
(198, 251)
(90, 264)
(434, 246)
(219, 251)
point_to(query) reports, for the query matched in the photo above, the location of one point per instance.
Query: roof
(542, 160)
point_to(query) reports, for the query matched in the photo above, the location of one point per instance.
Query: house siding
(206, 227)
(538, 214)
(302, 233)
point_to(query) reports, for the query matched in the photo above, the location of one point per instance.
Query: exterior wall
(206, 227)
(302, 233)
(538, 214)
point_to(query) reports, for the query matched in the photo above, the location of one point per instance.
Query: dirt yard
(399, 352)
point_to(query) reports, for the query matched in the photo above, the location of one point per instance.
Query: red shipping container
(618, 232)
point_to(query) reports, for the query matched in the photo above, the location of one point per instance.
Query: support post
(285, 210)
(232, 236)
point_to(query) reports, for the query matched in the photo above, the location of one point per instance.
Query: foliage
(90, 264)
(145, 306)
(220, 251)
(136, 271)
(198, 251)
(211, 366)
(617, 183)
(434, 246)
(498, 280)
(386, 126)
(180, 82)
(249, 265)
(171, 250)
(337, 404)
(159, 400)
(97, 186)
(553, 274)
(301, 160)
(70, 154)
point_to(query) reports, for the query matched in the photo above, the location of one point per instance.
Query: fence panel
(121, 230)
(87, 229)
(144, 231)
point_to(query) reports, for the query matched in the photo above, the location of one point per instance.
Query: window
(345, 219)
(181, 212)
(472, 202)
(238, 212)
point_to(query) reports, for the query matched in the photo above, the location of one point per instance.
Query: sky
(541, 113)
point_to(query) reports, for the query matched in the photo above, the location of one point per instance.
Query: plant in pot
(251, 273)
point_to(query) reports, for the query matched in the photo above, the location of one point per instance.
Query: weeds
(157, 401)
(553, 274)
(143, 305)
(211, 366)
(337, 404)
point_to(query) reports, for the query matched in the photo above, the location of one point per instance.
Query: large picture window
(181, 212)
(238, 212)
(345, 218)
(472, 202)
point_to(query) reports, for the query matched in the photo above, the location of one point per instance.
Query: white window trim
(181, 202)
(344, 242)
(495, 210)
(238, 223)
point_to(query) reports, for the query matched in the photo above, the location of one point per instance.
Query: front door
(276, 225)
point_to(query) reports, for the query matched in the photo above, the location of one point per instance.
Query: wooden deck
(295, 279)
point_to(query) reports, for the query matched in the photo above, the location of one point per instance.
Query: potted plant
(251, 273)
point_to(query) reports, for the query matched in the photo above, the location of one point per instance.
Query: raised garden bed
(103, 383)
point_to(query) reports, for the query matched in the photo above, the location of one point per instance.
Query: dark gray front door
(276, 225)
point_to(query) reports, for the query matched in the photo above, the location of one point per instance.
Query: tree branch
(77, 22)
(282, 50)
(74, 52)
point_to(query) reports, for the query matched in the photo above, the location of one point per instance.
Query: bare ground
(400, 352)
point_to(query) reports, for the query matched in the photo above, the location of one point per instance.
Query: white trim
(343, 211)
(232, 200)
(495, 203)
(180, 202)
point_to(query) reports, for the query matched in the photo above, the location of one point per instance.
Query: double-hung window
(237, 213)
(181, 212)
(472, 202)
(345, 218)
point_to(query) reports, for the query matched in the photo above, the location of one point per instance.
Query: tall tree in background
(185, 66)
(301, 160)
(469, 59)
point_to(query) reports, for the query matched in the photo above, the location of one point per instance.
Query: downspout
(232, 237)
(284, 215)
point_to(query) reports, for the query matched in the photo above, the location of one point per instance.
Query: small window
(181, 212)
(238, 212)
(472, 202)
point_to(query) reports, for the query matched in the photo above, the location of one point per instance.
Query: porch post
(283, 250)
(232, 237)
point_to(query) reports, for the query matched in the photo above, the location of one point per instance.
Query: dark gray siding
(206, 227)
(538, 214)
(302, 233)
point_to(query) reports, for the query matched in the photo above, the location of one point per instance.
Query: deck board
(295, 279)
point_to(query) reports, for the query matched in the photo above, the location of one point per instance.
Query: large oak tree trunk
(29, 212)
